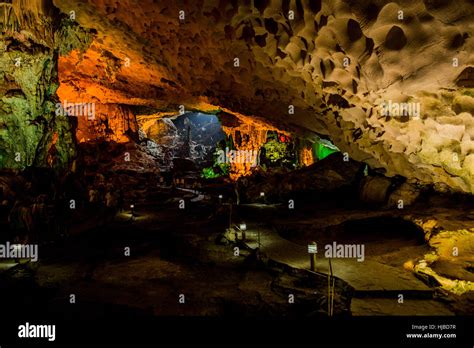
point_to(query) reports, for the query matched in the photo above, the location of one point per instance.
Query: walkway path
(377, 286)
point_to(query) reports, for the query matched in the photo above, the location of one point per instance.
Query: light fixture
(132, 206)
(262, 194)
(243, 226)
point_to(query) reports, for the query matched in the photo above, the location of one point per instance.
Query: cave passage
(197, 158)
(204, 144)
(191, 137)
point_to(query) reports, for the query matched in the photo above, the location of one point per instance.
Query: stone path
(362, 276)
(376, 285)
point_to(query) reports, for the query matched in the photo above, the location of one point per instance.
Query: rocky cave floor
(174, 251)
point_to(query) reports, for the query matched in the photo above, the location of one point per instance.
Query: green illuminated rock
(31, 134)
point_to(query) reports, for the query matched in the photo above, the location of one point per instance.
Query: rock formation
(32, 34)
(389, 82)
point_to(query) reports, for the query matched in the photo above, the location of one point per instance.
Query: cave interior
(233, 158)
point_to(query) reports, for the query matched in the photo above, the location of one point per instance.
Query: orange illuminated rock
(249, 134)
(329, 68)
(111, 122)
(306, 156)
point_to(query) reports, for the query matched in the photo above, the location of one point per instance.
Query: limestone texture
(389, 82)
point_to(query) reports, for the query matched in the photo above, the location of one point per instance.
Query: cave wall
(323, 66)
(110, 122)
(334, 62)
(32, 35)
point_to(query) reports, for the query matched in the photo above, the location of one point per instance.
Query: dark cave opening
(382, 229)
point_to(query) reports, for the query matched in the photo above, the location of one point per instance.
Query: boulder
(405, 194)
(374, 189)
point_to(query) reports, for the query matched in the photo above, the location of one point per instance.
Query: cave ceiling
(335, 68)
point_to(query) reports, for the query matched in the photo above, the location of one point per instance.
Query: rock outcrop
(31, 133)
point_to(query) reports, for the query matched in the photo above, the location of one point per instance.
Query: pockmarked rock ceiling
(389, 82)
